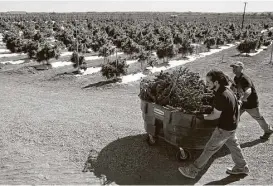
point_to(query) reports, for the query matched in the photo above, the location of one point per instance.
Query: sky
(136, 6)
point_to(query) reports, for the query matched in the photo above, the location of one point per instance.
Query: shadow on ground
(131, 160)
(42, 67)
(102, 83)
(64, 75)
(241, 55)
(227, 180)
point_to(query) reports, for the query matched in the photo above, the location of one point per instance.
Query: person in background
(226, 109)
(248, 98)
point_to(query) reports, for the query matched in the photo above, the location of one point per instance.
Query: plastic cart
(182, 130)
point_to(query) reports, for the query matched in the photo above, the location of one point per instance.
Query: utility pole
(270, 62)
(244, 15)
(78, 63)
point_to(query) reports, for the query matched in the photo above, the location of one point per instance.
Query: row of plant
(106, 35)
(133, 35)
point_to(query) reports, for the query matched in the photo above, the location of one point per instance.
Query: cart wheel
(151, 140)
(183, 155)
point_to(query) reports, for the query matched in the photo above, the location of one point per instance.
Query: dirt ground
(55, 131)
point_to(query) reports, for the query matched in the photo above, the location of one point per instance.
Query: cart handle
(193, 122)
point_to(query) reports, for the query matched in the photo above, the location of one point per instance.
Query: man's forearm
(246, 95)
(211, 116)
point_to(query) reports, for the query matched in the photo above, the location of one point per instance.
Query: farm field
(56, 124)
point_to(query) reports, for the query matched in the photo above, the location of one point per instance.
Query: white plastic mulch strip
(10, 55)
(61, 64)
(93, 70)
(99, 57)
(13, 62)
(66, 53)
(266, 30)
(172, 64)
(90, 70)
(51, 39)
(92, 57)
(131, 62)
(118, 53)
(3, 50)
(258, 51)
(253, 54)
(195, 44)
(132, 77)
(175, 63)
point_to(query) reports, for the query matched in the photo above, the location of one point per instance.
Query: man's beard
(213, 88)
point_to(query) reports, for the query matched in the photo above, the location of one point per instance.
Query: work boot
(236, 170)
(266, 135)
(189, 171)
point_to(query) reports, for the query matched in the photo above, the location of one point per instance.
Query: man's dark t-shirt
(226, 102)
(242, 84)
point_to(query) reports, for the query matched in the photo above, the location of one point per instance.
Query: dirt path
(46, 134)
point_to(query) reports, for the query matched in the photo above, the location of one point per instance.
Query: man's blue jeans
(219, 138)
(255, 113)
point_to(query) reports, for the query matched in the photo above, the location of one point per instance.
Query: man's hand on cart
(200, 116)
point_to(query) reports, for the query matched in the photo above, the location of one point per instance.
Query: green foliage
(15, 45)
(209, 42)
(152, 61)
(182, 89)
(98, 41)
(78, 61)
(185, 48)
(46, 52)
(65, 37)
(129, 32)
(31, 48)
(166, 50)
(220, 41)
(106, 50)
(38, 36)
(267, 42)
(237, 35)
(229, 38)
(145, 58)
(114, 68)
(81, 47)
(247, 45)
(232, 27)
(28, 34)
(150, 41)
(130, 47)
(269, 34)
